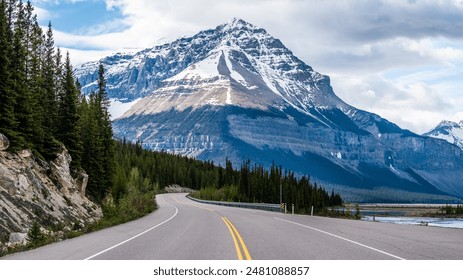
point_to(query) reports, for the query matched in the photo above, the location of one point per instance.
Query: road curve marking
(237, 246)
(237, 240)
(342, 238)
(138, 235)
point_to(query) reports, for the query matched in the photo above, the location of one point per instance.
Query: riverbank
(438, 215)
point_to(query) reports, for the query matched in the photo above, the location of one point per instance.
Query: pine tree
(49, 108)
(35, 235)
(106, 129)
(68, 129)
(98, 156)
(23, 105)
(93, 153)
(58, 79)
(35, 80)
(8, 123)
(11, 17)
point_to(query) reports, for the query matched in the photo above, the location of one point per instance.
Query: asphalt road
(184, 229)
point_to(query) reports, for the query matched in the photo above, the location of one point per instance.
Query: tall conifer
(49, 80)
(105, 128)
(93, 153)
(8, 124)
(36, 83)
(68, 129)
(50, 107)
(23, 105)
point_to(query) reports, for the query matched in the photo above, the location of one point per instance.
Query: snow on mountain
(117, 108)
(236, 92)
(449, 131)
(135, 75)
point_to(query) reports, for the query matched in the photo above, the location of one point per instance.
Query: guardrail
(259, 206)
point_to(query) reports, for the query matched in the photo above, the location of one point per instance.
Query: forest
(248, 183)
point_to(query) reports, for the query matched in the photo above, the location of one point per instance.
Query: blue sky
(80, 17)
(402, 59)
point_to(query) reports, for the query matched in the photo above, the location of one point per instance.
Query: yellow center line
(237, 246)
(238, 240)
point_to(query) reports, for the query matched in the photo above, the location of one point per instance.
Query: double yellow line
(239, 243)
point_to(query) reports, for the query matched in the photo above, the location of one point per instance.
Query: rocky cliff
(32, 190)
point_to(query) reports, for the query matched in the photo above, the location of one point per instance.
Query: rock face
(18, 238)
(4, 142)
(32, 190)
(236, 92)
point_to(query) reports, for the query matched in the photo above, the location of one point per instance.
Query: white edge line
(340, 237)
(136, 236)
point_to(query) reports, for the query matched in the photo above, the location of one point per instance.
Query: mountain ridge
(236, 92)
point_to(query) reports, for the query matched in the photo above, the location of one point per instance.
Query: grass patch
(129, 208)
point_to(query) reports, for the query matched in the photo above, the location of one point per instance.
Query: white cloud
(413, 105)
(397, 58)
(458, 116)
(41, 13)
(79, 57)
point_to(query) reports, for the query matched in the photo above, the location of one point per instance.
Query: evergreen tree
(68, 129)
(23, 105)
(8, 124)
(105, 127)
(49, 104)
(89, 141)
(58, 79)
(98, 156)
(35, 80)
(11, 13)
(92, 157)
(35, 235)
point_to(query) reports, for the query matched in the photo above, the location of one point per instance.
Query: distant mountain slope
(236, 92)
(451, 132)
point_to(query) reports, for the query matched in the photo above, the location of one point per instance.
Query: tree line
(452, 210)
(254, 183)
(248, 183)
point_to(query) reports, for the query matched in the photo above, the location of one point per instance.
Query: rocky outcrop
(32, 190)
(4, 142)
(18, 238)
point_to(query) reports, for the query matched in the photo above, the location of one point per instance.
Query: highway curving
(182, 229)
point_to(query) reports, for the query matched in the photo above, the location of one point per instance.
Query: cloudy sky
(401, 59)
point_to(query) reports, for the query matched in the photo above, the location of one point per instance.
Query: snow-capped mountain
(450, 131)
(236, 92)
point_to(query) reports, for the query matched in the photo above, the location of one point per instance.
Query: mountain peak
(446, 123)
(450, 131)
(237, 23)
(261, 63)
(237, 30)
